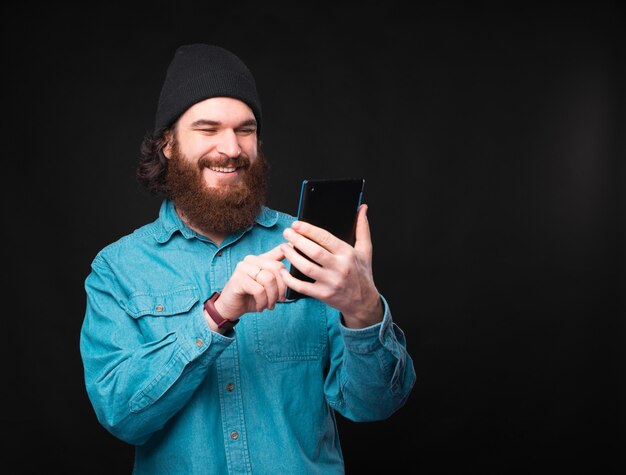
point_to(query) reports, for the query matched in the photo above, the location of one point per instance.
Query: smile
(223, 169)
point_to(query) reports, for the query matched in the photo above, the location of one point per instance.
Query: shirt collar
(171, 222)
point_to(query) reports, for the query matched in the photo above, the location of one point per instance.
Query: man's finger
(318, 235)
(363, 236)
(275, 254)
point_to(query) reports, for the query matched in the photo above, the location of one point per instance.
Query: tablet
(331, 204)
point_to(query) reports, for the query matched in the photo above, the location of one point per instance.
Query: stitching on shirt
(144, 399)
(176, 307)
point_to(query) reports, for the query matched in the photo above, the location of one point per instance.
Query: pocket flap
(160, 304)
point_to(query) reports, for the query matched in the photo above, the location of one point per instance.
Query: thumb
(363, 237)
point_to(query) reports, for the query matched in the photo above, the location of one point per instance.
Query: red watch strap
(220, 321)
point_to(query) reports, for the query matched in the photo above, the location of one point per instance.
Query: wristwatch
(221, 322)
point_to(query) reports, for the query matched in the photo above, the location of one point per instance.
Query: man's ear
(167, 149)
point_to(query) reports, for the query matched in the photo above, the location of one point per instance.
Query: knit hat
(198, 72)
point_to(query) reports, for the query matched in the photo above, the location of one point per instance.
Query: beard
(224, 210)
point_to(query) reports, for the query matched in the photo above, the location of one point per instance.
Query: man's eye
(246, 131)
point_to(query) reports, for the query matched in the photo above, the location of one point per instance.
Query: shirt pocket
(158, 311)
(294, 330)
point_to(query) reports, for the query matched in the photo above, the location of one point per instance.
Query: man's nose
(229, 144)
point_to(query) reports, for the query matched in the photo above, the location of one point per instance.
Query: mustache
(241, 161)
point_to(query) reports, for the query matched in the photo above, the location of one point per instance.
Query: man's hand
(342, 273)
(256, 284)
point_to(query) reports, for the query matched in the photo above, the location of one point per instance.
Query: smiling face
(216, 174)
(218, 131)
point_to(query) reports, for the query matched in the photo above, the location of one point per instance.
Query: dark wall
(492, 138)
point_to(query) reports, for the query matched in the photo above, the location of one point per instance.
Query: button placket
(232, 410)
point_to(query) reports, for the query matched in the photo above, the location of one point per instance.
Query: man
(191, 351)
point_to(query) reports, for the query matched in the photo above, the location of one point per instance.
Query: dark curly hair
(152, 167)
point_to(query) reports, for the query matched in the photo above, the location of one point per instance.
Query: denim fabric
(260, 399)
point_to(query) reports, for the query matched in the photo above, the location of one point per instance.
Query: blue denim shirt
(260, 399)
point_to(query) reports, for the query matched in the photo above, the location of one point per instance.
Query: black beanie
(198, 72)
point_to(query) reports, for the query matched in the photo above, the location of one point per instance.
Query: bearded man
(191, 351)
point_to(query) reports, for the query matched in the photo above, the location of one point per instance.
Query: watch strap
(221, 322)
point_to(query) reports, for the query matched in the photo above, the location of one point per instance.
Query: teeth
(223, 169)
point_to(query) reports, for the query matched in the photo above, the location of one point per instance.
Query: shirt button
(234, 435)
(159, 308)
(199, 342)
(219, 253)
(230, 387)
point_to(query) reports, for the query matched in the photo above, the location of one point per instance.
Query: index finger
(275, 254)
(318, 235)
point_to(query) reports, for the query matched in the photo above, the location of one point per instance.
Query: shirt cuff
(199, 337)
(364, 340)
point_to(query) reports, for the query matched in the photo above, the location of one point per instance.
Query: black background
(492, 137)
